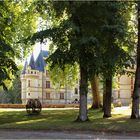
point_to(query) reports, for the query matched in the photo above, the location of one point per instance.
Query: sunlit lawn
(64, 120)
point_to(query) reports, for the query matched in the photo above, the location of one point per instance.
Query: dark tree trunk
(135, 96)
(96, 103)
(104, 94)
(136, 92)
(108, 94)
(83, 95)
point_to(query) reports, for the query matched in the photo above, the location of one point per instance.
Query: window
(46, 73)
(31, 72)
(47, 84)
(28, 94)
(118, 94)
(48, 95)
(29, 83)
(76, 91)
(61, 95)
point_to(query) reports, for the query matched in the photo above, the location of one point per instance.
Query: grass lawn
(64, 120)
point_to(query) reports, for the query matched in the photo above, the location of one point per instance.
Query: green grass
(64, 120)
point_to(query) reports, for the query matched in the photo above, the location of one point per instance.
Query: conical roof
(25, 67)
(32, 62)
(40, 63)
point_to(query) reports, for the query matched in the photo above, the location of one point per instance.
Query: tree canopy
(92, 34)
(16, 22)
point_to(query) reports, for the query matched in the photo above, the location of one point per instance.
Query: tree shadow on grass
(63, 120)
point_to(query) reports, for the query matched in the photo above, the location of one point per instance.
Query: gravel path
(24, 134)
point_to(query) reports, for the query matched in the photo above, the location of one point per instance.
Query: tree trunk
(108, 94)
(83, 95)
(96, 103)
(83, 71)
(104, 94)
(135, 96)
(136, 92)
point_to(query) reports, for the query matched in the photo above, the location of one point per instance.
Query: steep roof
(37, 64)
(40, 63)
(25, 67)
(44, 53)
(32, 62)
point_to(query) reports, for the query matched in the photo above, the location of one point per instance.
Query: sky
(37, 49)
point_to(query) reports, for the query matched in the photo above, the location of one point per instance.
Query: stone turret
(32, 77)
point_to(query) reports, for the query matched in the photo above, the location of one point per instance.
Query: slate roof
(37, 64)
(40, 63)
(25, 67)
(32, 62)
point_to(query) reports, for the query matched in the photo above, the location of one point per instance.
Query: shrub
(117, 103)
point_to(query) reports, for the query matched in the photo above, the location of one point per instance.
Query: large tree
(16, 22)
(74, 41)
(7, 54)
(115, 54)
(90, 34)
(136, 92)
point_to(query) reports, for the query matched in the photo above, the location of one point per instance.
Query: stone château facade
(35, 83)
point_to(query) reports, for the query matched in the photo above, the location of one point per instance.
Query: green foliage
(7, 54)
(104, 43)
(64, 78)
(23, 23)
(95, 35)
(13, 92)
(117, 35)
(16, 22)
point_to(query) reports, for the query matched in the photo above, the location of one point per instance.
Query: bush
(117, 103)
